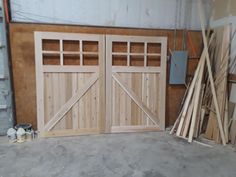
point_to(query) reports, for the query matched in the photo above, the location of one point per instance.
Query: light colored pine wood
(127, 129)
(61, 133)
(81, 103)
(75, 108)
(62, 98)
(222, 134)
(66, 107)
(122, 104)
(108, 83)
(101, 109)
(162, 89)
(189, 96)
(39, 81)
(93, 103)
(135, 69)
(69, 69)
(92, 107)
(188, 118)
(144, 97)
(196, 102)
(61, 83)
(56, 97)
(128, 101)
(129, 116)
(136, 99)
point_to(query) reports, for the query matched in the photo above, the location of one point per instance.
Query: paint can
(20, 135)
(11, 134)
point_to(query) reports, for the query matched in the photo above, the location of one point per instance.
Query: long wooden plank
(137, 128)
(196, 102)
(188, 118)
(189, 96)
(108, 84)
(70, 103)
(135, 69)
(39, 81)
(162, 89)
(70, 69)
(135, 98)
(222, 134)
(101, 98)
(68, 36)
(61, 133)
(75, 111)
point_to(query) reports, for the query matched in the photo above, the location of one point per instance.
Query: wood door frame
(99, 74)
(111, 73)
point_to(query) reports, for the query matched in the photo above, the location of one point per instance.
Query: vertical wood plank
(62, 97)
(81, 103)
(108, 84)
(162, 112)
(102, 117)
(128, 101)
(39, 82)
(122, 104)
(93, 106)
(56, 96)
(88, 105)
(75, 109)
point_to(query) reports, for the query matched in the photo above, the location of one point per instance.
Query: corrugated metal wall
(115, 13)
(6, 113)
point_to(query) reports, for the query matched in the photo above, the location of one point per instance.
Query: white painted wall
(113, 13)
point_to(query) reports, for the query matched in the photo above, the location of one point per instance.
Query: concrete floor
(116, 155)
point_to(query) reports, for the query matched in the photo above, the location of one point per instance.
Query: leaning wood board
(71, 84)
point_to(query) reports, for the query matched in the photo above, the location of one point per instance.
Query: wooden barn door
(70, 83)
(135, 83)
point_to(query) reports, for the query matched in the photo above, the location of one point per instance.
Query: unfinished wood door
(135, 83)
(70, 83)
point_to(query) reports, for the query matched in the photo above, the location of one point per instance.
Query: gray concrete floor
(115, 155)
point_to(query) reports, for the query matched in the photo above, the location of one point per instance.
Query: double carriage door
(84, 88)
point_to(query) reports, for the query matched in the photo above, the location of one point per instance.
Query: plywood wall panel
(22, 51)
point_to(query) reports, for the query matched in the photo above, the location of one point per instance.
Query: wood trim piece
(102, 83)
(118, 38)
(136, 54)
(135, 98)
(108, 83)
(69, 104)
(68, 36)
(70, 69)
(39, 81)
(62, 133)
(136, 69)
(196, 102)
(130, 129)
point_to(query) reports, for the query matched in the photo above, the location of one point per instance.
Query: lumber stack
(220, 63)
(205, 106)
(206, 109)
